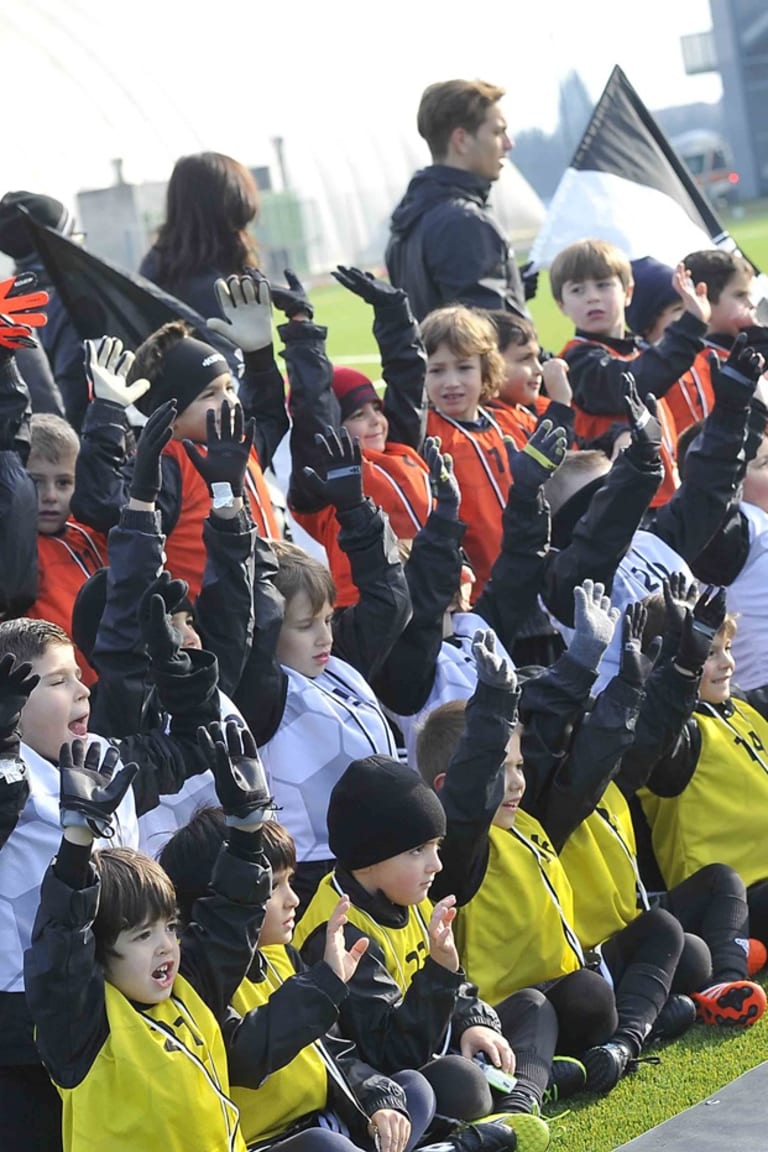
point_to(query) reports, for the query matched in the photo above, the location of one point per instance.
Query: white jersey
(646, 565)
(177, 809)
(328, 721)
(29, 850)
(455, 677)
(747, 598)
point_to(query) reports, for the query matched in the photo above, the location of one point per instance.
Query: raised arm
(246, 307)
(403, 359)
(474, 781)
(433, 572)
(364, 633)
(714, 462)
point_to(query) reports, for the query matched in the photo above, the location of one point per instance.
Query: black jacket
(572, 745)
(65, 984)
(395, 1031)
(303, 1010)
(596, 375)
(125, 701)
(472, 791)
(446, 247)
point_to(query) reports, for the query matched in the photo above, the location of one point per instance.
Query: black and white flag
(626, 184)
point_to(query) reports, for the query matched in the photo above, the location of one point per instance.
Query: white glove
(247, 307)
(107, 365)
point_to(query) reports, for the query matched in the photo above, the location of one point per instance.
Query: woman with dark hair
(210, 202)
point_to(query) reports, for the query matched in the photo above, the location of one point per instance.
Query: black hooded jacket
(445, 246)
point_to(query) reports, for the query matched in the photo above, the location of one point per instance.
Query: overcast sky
(338, 79)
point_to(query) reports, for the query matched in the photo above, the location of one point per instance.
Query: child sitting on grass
(290, 1070)
(127, 1016)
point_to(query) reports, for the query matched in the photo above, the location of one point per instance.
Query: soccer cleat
(567, 1076)
(606, 1064)
(757, 957)
(675, 1018)
(738, 1002)
(480, 1137)
(531, 1132)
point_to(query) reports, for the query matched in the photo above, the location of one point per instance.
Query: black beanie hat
(378, 809)
(653, 293)
(15, 239)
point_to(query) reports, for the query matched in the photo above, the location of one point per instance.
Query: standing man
(445, 246)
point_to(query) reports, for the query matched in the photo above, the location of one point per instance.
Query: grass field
(706, 1059)
(350, 339)
(692, 1068)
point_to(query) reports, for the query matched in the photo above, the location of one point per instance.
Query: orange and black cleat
(738, 1002)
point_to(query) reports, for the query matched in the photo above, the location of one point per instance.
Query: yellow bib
(405, 949)
(515, 931)
(600, 859)
(298, 1089)
(159, 1083)
(720, 816)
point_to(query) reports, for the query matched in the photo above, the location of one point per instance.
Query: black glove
(530, 280)
(694, 647)
(342, 482)
(226, 459)
(634, 665)
(542, 456)
(163, 642)
(736, 379)
(445, 486)
(679, 597)
(709, 611)
(89, 793)
(241, 782)
(293, 299)
(16, 686)
(368, 287)
(644, 427)
(147, 477)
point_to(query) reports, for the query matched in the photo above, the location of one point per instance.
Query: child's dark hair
(190, 855)
(588, 260)
(439, 738)
(716, 269)
(151, 354)
(52, 437)
(451, 104)
(300, 572)
(512, 329)
(467, 332)
(30, 639)
(134, 890)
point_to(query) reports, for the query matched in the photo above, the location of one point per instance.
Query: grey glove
(492, 668)
(594, 624)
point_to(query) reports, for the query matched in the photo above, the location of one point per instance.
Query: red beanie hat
(352, 389)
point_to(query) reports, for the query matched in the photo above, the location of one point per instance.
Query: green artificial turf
(349, 319)
(691, 1068)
